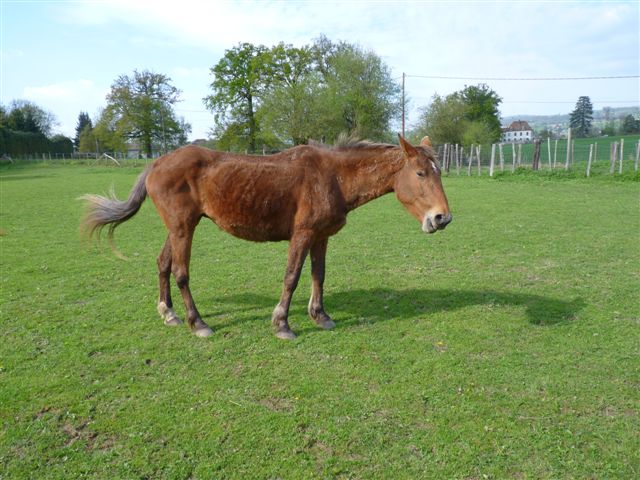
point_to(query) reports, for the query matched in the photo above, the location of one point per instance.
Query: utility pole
(403, 113)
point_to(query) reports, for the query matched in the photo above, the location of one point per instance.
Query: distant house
(518, 132)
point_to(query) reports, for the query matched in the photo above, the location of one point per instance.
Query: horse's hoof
(203, 332)
(173, 321)
(285, 334)
(168, 315)
(327, 324)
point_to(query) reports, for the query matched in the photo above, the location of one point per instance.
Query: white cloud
(68, 89)
(66, 99)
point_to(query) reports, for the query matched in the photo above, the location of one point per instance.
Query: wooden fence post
(555, 154)
(614, 155)
(470, 160)
(589, 162)
(536, 154)
(501, 157)
(549, 150)
(457, 159)
(566, 163)
(478, 157)
(513, 165)
(621, 154)
(637, 156)
(493, 159)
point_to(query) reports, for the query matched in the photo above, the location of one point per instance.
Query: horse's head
(419, 188)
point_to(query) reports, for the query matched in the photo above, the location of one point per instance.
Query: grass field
(506, 346)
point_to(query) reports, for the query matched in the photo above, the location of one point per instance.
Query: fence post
(501, 157)
(478, 158)
(614, 155)
(566, 163)
(589, 162)
(493, 159)
(457, 159)
(621, 154)
(470, 160)
(637, 156)
(549, 150)
(513, 165)
(536, 155)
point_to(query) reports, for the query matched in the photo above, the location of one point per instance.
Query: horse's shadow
(351, 307)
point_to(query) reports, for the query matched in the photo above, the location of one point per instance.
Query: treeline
(25, 129)
(274, 97)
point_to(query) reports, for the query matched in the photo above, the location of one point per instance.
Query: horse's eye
(420, 173)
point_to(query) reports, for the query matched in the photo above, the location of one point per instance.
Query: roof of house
(517, 126)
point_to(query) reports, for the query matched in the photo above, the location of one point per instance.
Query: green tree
(630, 124)
(479, 133)
(359, 92)
(468, 116)
(140, 108)
(483, 107)
(240, 79)
(444, 120)
(84, 121)
(291, 111)
(25, 116)
(581, 118)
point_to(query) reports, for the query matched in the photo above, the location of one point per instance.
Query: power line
(523, 79)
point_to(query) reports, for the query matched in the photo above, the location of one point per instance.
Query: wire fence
(590, 156)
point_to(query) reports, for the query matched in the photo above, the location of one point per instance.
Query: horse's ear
(408, 149)
(425, 141)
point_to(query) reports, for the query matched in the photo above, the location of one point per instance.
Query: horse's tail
(103, 211)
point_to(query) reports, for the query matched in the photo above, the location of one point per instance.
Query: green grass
(506, 346)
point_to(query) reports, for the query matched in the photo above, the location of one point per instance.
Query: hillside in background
(561, 121)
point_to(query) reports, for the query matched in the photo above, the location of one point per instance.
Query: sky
(64, 55)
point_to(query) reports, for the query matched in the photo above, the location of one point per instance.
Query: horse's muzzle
(433, 223)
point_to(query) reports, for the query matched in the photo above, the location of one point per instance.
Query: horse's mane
(351, 142)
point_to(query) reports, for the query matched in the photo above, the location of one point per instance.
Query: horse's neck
(368, 173)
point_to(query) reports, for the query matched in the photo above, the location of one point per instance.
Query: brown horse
(302, 195)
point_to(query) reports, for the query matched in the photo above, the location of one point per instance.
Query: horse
(302, 195)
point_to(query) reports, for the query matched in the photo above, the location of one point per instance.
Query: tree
(479, 133)
(240, 77)
(581, 118)
(285, 95)
(468, 116)
(630, 124)
(444, 120)
(140, 108)
(359, 91)
(25, 116)
(482, 107)
(84, 121)
(291, 112)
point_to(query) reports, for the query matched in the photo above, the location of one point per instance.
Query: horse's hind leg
(316, 307)
(181, 239)
(165, 305)
(298, 250)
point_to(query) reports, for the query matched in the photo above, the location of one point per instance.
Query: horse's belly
(256, 231)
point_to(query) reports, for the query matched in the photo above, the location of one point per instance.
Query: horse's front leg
(316, 306)
(298, 250)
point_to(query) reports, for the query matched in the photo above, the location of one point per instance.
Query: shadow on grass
(381, 304)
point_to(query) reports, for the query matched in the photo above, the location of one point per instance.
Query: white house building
(518, 132)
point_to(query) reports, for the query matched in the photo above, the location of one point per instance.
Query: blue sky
(64, 55)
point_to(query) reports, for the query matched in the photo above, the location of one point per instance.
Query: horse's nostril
(442, 220)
